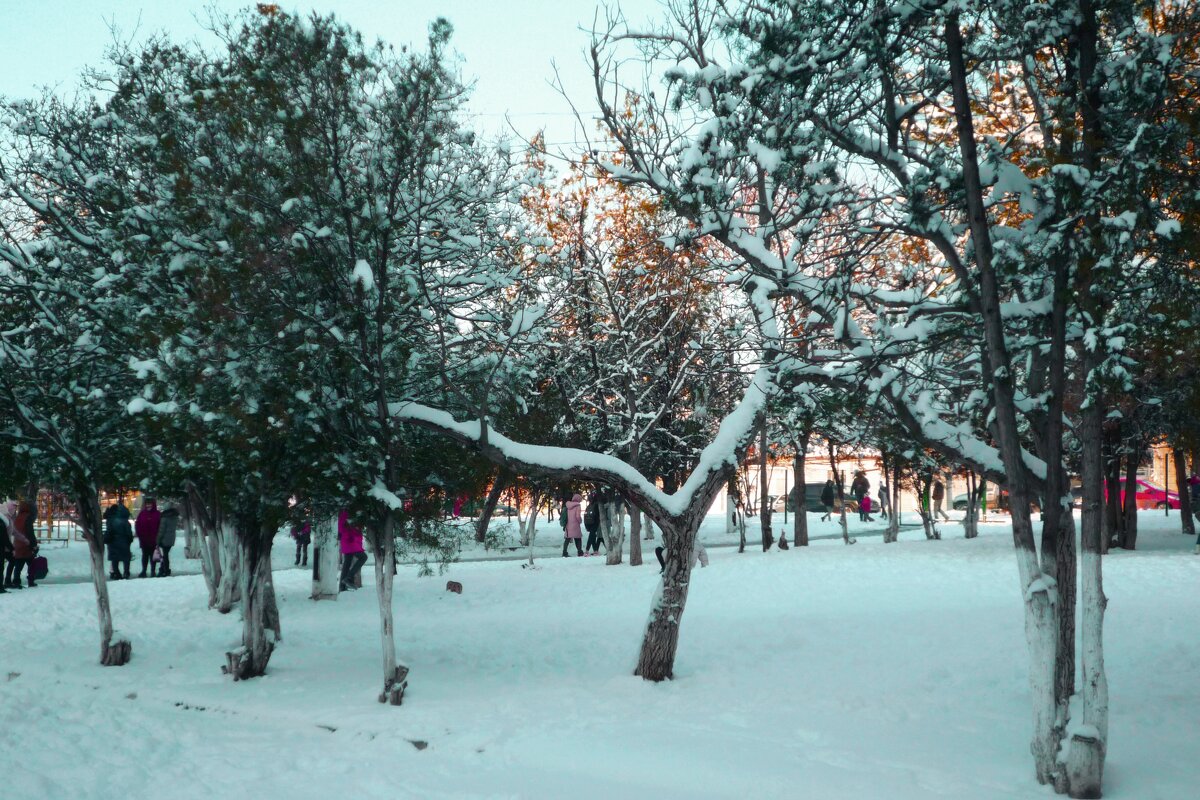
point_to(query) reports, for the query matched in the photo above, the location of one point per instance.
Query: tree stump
(393, 688)
(454, 586)
(242, 664)
(117, 653)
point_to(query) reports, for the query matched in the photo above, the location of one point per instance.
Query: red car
(1148, 495)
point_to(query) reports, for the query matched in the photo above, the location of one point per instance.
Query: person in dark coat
(591, 521)
(168, 527)
(860, 486)
(147, 533)
(303, 536)
(939, 497)
(827, 493)
(118, 538)
(25, 546)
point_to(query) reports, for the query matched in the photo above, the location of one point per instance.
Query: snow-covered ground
(870, 671)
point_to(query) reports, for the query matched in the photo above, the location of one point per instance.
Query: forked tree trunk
(259, 614)
(800, 523)
(1185, 499)
(394, 674)
(115, 649)
(325, 559)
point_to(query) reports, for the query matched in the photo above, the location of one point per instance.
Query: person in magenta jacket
(146, 528)
(350, 542)
(574, 529)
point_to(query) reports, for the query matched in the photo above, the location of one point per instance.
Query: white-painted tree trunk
(193, 539)
(229, 590)
(325, 559)
(730, 514)
(394, 674)
(259, 615)
(612, 527)
(210, 562)
(115, 649)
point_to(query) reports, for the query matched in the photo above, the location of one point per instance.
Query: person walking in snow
(118, 539)
(939, 497)
(860, 487)
(864, 509)
(827, 494)
(591, 521)
(146, 528)
(573, 532)
(885, 503)
(303, 536)
(168, 526)
(350, 542)
(24, 544)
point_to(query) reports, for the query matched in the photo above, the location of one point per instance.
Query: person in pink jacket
(146, 528)
(350, 542)
(574, 528)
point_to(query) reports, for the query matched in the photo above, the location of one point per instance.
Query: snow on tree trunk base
(394, 687)
(325, 560)
(116, 653)
(1084, 769)
(259, 613)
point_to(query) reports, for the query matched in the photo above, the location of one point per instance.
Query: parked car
(812, 500)
(1147, 495)
(996, 501)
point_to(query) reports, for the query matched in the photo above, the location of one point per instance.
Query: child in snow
(864, 509)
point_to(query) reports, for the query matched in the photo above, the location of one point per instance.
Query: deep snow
(870, 671)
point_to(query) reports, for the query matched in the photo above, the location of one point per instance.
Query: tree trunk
(612, 528)
(115, 649)
(635, 537)
(258, 627)
(800, 487)
(1112, 504)
(229, 591)
(971, 519)
(731, 507)
(193, 537)
(656, 661)
(489, 506)
(325, 558)
(1129, 512)
(1088, 744)
(1185, 498)
(841, 494)
(384, 549)
(764, 491)
(894, 504)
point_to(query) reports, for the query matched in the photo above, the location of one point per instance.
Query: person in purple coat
(146, 528)
(350, 542)
(574, 529)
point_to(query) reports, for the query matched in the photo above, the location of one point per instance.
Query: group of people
(350, 546)
(574, 520)
(18, 545)
(860, 491)
(155, 531)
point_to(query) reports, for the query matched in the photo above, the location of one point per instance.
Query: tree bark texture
(1129, 530)
(489, 506)
(115, 649)
(394, 674)
(258, 634)
(800, 522)
(325, 558)
(1185, 498)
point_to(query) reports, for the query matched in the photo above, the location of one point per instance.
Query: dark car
(812, 500)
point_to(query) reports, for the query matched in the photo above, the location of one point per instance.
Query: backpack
(562, 516)
(591, 517)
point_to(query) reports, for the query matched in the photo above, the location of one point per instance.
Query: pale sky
(507, 45)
